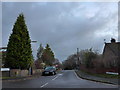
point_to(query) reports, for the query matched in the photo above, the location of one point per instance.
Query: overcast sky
(65, 26)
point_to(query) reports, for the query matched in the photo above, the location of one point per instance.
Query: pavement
(96, 78)
(64, 79)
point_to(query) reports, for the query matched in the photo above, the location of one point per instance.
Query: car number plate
(46, 72)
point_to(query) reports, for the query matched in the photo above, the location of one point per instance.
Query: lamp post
(34, 41)
(30, 69)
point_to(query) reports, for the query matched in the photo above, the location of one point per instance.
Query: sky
(65, 26)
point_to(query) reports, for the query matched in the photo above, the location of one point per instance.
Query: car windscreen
(49, 68)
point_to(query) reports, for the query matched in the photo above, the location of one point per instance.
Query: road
(65, 79)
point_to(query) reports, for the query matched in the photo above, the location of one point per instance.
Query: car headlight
(51, 71)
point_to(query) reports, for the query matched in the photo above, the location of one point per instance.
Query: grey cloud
(65, 26)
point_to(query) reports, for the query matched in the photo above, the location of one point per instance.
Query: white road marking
(52, 79)
(47, 83)
(44, 85)
(55, 78)
(76, 75)
(60, 74)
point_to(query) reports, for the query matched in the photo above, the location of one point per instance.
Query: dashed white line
(55, 78)
(60, 74)
(47, 83)
(52, 79)
(44, 85)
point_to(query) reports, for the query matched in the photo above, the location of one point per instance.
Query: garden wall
(37, 71)
(20, 73)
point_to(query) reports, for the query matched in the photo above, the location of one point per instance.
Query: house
(111, 54)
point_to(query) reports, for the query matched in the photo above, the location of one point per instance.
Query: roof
(114, 47)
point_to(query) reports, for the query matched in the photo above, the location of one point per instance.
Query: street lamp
(34, 41)
(30, 68)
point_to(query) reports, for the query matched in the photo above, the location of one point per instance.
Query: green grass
(8, 77)
(102, 81)
(102, 75)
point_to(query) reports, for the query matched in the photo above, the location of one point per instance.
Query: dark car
(49, 71)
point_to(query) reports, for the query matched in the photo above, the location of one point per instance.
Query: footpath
(86, 76)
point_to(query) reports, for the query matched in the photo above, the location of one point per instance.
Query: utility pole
(77, 58)
(78, 54)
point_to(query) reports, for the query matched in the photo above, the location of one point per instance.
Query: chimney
(113, 40)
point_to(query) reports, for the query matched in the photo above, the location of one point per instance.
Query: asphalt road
(65, 79)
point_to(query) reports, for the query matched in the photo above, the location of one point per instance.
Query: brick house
(111, 54)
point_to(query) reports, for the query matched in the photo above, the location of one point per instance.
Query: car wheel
(53, 73)
(42, 74)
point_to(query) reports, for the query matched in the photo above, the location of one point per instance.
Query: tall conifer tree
(48, 56)
(19, 52)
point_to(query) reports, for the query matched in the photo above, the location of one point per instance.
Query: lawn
(8, 77)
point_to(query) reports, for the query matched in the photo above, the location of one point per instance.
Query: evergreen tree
(39, 52)
(38, 62)
(48, 56)
(19, 52)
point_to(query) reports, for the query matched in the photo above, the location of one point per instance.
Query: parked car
(49, 71)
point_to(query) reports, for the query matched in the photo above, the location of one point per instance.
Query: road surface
(65, 79)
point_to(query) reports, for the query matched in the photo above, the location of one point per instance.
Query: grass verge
(8, 77)
(87, 78)
(103, 75)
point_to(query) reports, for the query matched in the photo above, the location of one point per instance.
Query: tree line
(45, 57)
(87, 58)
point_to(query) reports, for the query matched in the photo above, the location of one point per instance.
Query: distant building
(111, 54)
